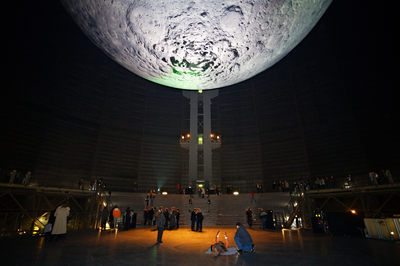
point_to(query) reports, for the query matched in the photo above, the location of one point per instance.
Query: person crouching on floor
(243, 240)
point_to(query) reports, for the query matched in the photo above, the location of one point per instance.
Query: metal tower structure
(200, 141)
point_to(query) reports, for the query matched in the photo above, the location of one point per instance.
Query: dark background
(68, 111)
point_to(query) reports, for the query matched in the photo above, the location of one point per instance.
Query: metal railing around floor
(32, 223)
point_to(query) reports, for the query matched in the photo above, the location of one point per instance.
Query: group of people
(56, 228)
(15, 177)
(163, 217)
(385, 177)
(172, 216)
(114, 215)
(375, 179)
(91, 185)
(197, 218)
(150, 198)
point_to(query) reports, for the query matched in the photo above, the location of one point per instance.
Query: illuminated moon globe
(195, 45)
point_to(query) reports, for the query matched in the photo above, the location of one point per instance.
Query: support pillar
(201, 143)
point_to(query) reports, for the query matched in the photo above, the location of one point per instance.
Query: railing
(32, 223)
(285, 218)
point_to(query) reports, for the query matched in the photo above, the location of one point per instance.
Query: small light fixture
(353, 211)
(235, 193)
(165, 193)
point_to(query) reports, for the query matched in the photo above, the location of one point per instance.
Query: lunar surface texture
(195, 45)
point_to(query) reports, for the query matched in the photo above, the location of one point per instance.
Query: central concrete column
(193, 172)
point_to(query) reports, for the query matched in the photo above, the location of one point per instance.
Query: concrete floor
(184, 247)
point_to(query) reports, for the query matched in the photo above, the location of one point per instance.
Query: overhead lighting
(235, 193)
(165, 193)
(353, 211)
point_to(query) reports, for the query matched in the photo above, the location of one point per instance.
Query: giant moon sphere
(193, 45)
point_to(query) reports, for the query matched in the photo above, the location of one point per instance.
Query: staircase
(222, 210)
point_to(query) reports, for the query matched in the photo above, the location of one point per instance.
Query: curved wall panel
(70, 112)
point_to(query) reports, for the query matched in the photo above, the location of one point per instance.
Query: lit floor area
(185, 247)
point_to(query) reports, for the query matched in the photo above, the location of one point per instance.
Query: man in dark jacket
(263, 217)
(193, 218)
(150, 215)
(199, 220)
(243, 240)
(104, 217)
(177, 215)
(160, 225)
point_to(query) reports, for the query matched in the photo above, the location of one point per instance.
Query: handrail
(22, 223)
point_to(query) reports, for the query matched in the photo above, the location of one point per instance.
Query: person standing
(80, 183)
(243, 240)
(172, 222)
(263, 217)
(128, 219)
(193, 218)
(60, 225)
(252, 197)
(178, 189)
(145, 215)
(156, 213)
(351, 181)
(150, 215)
(177, 215)
(287, 186)
(249, 216)
(116, 214)
(104, 216)
(322, 183)
(332, 184)
(160, 225)
(199, 220)
(50, 225)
